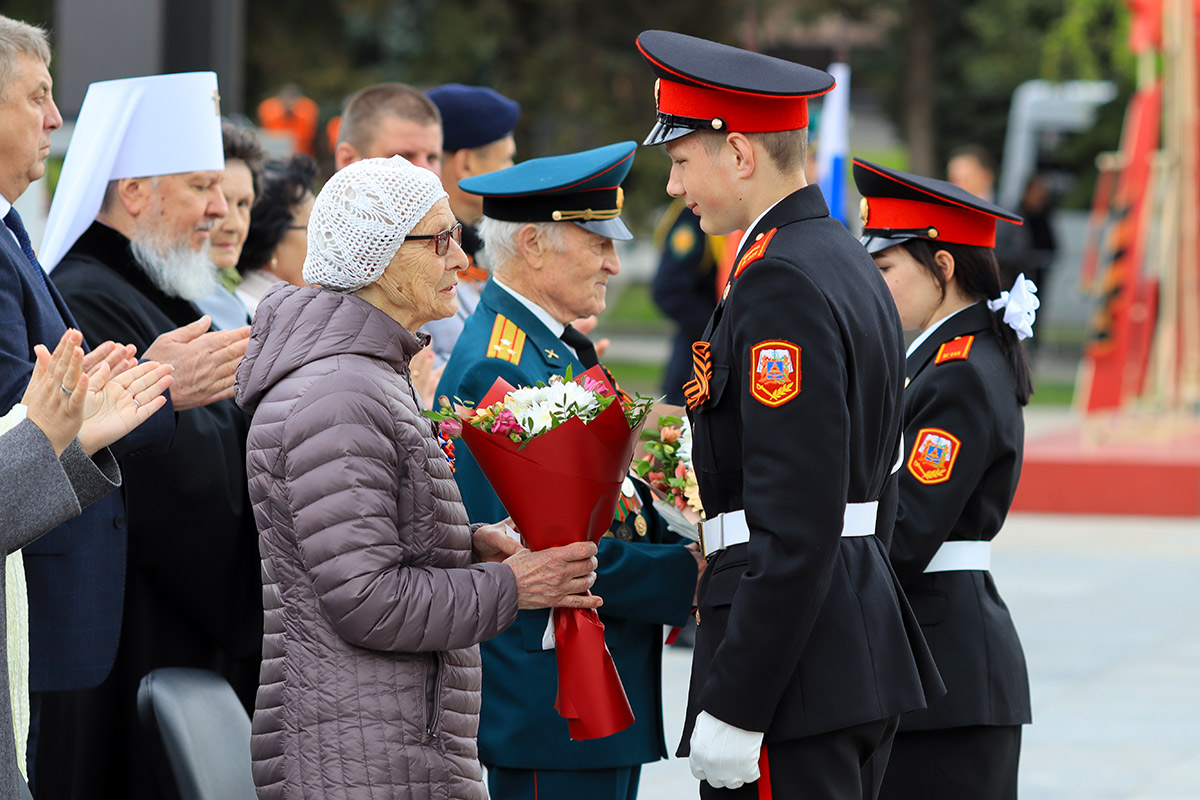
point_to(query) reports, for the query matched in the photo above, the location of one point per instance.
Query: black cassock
(192, 587)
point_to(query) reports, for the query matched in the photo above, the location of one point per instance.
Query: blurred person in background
(377, 589)
(240, 185)
(967, 380)
(477, 128)
(390, 119)
(277, 240)
(293, 115)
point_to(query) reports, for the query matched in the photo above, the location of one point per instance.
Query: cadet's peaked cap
(473, 116)
(899, 205)
(703, 85)
(584, 188)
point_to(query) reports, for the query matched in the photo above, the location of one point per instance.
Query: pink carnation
(506, 423)
(590, 384)
(450, 428)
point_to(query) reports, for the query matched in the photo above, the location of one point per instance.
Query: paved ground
(1109, 612)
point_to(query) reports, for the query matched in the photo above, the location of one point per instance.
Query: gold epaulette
(507, 340)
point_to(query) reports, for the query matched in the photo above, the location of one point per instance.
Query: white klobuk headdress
(132, 128)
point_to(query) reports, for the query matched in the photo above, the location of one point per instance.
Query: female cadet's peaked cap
(703, 85)
(899, 205)
(584, 188)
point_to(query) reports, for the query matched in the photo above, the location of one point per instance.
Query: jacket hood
(296, 325)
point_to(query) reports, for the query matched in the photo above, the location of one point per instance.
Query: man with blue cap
(549, 225)
(477, 139)
(806, 651)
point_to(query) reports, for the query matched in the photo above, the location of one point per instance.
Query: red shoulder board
(774, 372)
(933, 455)
(755, 251)
(954, 350)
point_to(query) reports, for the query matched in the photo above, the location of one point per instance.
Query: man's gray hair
(500, 238)
(17, 39)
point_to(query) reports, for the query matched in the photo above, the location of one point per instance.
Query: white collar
(542, 314)
(745, 240)
(925, 334)
(5, 206)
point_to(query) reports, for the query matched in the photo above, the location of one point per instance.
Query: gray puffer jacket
(370, 676)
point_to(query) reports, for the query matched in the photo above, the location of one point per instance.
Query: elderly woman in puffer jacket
(376, 589)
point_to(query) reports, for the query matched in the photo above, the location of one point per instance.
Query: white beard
(177, 271)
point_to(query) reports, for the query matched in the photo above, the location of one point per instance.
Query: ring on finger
(136, 404)
(65, 390)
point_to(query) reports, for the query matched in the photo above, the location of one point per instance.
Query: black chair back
(203, 731)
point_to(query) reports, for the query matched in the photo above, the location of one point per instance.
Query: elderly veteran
(550, 225)
(377, 591)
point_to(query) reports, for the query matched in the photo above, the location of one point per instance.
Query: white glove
(725, 756)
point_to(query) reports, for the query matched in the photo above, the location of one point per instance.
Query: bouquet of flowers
(667, 466)
(556, 455)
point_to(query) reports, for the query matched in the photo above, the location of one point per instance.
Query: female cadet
(967, 379)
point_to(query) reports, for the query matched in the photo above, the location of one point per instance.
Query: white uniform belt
(730, 528)
(958, 556)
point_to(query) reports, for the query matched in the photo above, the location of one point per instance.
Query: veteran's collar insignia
(933, 455)
(956, 349)
(774, 372)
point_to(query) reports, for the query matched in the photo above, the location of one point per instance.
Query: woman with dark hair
(239, 184)
(967, 380)
(277, 243)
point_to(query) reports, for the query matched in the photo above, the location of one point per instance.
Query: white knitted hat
(360, 219)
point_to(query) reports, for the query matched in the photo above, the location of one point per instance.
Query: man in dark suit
(806, 652)
(547, 274)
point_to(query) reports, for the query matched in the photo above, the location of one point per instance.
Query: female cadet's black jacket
(969, 403)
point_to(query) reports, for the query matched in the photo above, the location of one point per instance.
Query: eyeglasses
(442, 240)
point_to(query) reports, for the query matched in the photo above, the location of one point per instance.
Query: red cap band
(954, 224)
(741, 111)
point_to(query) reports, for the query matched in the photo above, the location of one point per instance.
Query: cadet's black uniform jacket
(803, 631)
(965, 622)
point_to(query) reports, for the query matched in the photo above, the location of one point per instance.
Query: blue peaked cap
(584, 188)
(473, 116)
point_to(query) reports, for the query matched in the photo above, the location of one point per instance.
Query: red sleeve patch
(774, 372)
(933, 455)
(754, 252)
(954, 350)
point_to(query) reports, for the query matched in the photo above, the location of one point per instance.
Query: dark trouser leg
(618, 783)
(978, 761)
(830, 766)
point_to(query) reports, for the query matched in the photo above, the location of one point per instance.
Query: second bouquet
(556, 456)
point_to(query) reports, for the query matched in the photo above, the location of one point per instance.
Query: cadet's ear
(945, 262)
(743, 154)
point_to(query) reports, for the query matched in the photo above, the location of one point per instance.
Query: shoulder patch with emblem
(774, 372)
(954, 350)
(933, 455)
(507, 340)
(755, 251)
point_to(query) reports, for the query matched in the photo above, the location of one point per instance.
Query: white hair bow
(1020, 306)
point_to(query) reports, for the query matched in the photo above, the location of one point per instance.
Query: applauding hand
(115, 405)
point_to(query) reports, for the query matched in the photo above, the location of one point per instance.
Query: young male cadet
(806, 652)
(549, 225)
